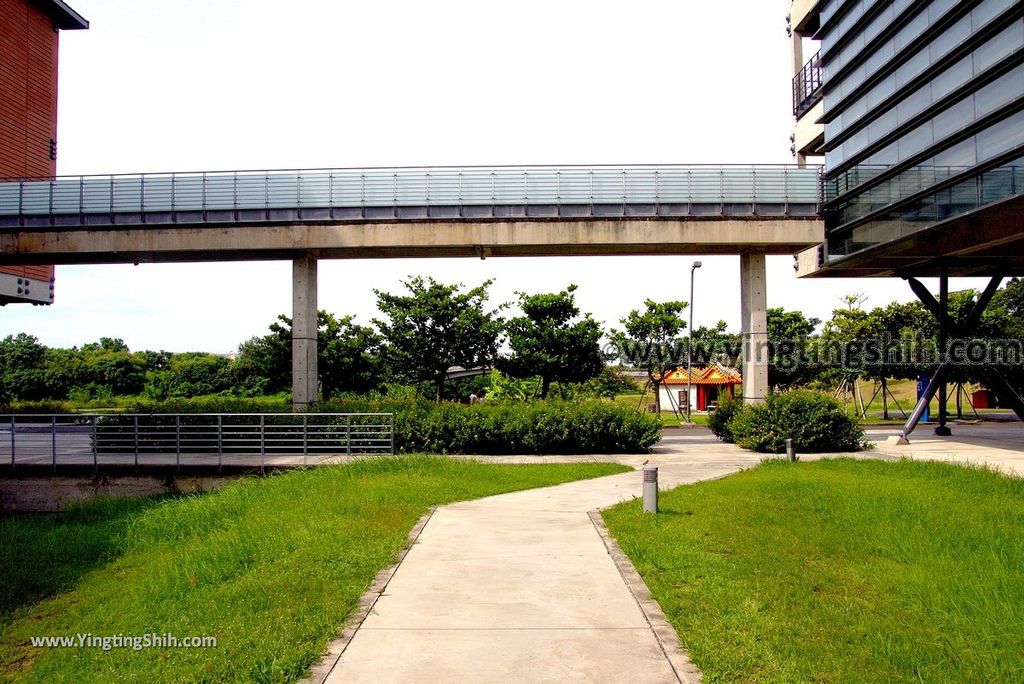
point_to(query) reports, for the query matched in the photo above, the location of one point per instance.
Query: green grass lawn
(270, 567)
(840, 571)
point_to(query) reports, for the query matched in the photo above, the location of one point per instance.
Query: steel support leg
(937, 381)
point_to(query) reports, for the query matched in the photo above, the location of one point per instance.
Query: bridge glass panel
(346, 188)
(220, 191)
(251, 191)
(67, 196)
(282, 190)
(314, 188)
(717, 190)
(128, 194)
(97, 194)
(158, 193)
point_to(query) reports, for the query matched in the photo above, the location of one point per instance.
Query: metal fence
(190, 439)
(807, 86)
(263, 191)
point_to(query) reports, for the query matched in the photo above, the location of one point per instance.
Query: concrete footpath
(521, 588)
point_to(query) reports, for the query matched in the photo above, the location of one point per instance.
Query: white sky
(237, 84)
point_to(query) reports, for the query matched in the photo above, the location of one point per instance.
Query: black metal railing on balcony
(807, 86)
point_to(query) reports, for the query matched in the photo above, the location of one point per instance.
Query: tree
(192, 374)
(22, 374)
(348, 357)
(650, 340)
(547, 341)
(109, 368)
(715, 345)
(264, 364)
(156, 360)
(436, 326)
(789, 333)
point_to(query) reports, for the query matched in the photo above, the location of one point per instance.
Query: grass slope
(270, 567)
(840, 571)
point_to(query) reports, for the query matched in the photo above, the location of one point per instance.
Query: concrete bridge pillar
(304, 333)
(754, 325)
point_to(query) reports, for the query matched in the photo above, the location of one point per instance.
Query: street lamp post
(689, 346)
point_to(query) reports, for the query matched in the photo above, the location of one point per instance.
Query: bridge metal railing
(264, 191)
(175, 440)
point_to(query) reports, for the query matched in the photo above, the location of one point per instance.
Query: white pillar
(304, 333)
(797, 42)
(754, 325)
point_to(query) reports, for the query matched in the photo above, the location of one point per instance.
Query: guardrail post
(177, 442)
(13, 420)
(305, 439)
(263, 442)
(590, 173)
(785, 191)
(348, 435)
(95, 455)
(391, 433)
(135, 434)
(53, 442)
(330, 192)
(220, 442)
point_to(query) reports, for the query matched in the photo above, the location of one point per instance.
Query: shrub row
(540, 427)
(815, 422)
(537, 427)
(207, 404)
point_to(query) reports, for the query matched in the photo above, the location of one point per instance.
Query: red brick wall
(28, 90)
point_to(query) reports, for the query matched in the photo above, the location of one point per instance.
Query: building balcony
(807, 86)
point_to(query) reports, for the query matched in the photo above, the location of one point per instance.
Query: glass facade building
(923, 115)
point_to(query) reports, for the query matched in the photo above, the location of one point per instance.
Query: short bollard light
(790, 450)
(650, 489)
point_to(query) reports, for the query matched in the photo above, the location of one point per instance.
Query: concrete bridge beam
(754, 325)
(305, 377)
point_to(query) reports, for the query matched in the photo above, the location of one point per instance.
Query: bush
(720, 419)
(279, 403)
(540, 427)
(815, 422)
(529, 427)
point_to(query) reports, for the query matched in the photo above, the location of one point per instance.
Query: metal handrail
(414, 167)
(807, 86)
(240, 191)
(194, 439)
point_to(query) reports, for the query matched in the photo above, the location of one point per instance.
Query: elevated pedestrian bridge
(402, 212)
(421, 212)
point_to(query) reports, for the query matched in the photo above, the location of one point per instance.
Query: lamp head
(697, 264)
